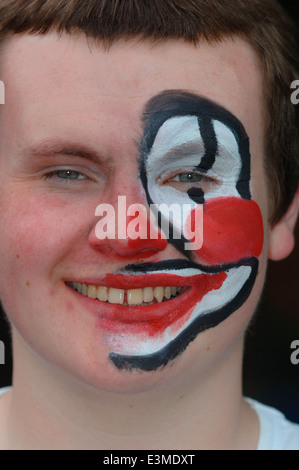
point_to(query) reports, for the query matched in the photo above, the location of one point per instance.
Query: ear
(281, 238)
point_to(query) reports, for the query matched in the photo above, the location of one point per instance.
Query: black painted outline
(208, 136)
(203, 322)
(159, 109)
(173, 103)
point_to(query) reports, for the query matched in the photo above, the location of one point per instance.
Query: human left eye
(188, 177)
(183, 181)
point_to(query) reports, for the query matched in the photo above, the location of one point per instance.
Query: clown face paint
(193, 152)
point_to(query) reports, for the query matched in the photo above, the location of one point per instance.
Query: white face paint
(179, 148)
(143, 343)
(194, 153)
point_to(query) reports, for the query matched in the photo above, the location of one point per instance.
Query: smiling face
(73, 138)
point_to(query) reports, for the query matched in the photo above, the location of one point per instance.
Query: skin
(48, 236)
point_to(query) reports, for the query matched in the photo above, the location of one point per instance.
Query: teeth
(102, 293)
(92, 292)
(159, 293)
(174, 291)
(127, 297)
(167, 293)
(116, 296)
(134, 296)
(84, 289)
(148, 295)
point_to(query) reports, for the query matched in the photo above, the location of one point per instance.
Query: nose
(127, 231)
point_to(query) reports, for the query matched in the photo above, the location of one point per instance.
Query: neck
(194, 409)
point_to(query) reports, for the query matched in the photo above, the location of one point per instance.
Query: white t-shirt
(276, 432)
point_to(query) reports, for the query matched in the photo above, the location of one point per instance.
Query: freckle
(28, 283)
(69, 306)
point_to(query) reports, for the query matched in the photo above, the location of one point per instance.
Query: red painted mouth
(154, 318)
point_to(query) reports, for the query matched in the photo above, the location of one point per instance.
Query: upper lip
(123, 281)
(165, 274)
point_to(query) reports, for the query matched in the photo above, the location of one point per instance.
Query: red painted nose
(126, 235)
(232, 230)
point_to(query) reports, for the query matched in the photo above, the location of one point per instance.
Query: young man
(125, 342)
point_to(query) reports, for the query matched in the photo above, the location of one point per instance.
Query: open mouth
(141, 303)
(149, 313)
(129, 297)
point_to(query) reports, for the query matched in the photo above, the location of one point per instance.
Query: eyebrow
(49, 148)
(186, 148)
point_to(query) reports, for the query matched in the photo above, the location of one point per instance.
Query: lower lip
(153, 319)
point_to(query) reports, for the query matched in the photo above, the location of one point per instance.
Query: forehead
(53, 84)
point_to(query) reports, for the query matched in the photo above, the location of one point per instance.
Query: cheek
(232, 230)
(34, 236)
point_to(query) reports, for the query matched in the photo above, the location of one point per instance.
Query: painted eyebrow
(169, 103)
(48, 149)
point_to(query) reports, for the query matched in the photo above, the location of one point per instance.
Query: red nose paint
(147, 237)
(232, 230)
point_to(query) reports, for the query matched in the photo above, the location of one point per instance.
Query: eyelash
(54, 174)
(201, 179)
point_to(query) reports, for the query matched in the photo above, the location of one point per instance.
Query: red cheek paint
(232, 230)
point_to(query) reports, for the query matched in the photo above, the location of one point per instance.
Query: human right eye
(66, 175)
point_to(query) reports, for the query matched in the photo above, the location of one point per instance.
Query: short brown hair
(263, 23)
